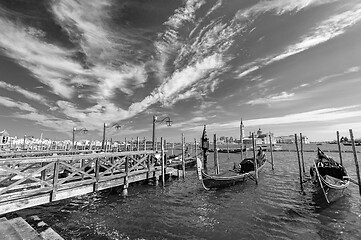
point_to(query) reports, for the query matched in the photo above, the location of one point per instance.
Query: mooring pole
(227, 148)
(241, 138)
(216, 164)
(303, 162)
(339, 146)
(205, 147)
(254, 158)
(299, 162)
(356, 162)
(271, 149)
(183, 158)
(195, 149)
(162, 160)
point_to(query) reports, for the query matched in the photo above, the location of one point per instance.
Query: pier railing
(30, 181)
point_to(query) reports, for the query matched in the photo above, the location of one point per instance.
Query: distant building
(4, 137)
(290, 139)
(260, 137)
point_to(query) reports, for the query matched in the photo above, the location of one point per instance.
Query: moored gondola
(245, 170)
(330, 177)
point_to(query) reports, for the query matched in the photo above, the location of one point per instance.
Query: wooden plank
(50, 234)
(18, 204)
(23, 194)
(74, 192)
(111, 183)
(24, 229)
(71, 157)
(7, 231)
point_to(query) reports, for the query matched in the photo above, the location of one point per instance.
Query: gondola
(329, 176)
(177, 162)
(246, 170)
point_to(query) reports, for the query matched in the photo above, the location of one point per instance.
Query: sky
(285, 66)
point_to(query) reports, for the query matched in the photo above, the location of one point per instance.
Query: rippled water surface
(273, 209)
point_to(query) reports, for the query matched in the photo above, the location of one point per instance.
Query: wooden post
(131, 145)
(356, 162)
(216, 165)
(138, 144)
(299, 162)
(255, 160)
(339, 147)
(97, 169)
(156, 144)
(126, 178)
(145, 144)
(303, 162)
(241, 138)
(125, 145)
(195, 148)
(162, 160)
(183, 158)
(271, 149)
(43, 174)
(82, 164)
(227, 148)
(55, 181)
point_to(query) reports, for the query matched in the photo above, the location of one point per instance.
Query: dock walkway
(31, 181)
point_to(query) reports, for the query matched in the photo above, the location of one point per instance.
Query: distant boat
(329, 176)
(177, 162)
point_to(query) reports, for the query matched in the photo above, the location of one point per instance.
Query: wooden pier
(34, 180)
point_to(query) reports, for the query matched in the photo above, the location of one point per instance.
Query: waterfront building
(4, 138)
(290, 139)
(261, 138)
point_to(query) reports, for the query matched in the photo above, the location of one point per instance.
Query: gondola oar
(320, 181)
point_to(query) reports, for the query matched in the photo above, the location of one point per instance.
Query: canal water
(273, 209)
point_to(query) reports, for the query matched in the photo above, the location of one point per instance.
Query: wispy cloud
(282, 97)
(85, 23)
(49, 63)
(171, 90)
(24, 92)
(280, 7)
(8, 102)
(89, 25)
(326, 30)
(322, 115)
(186, 13)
